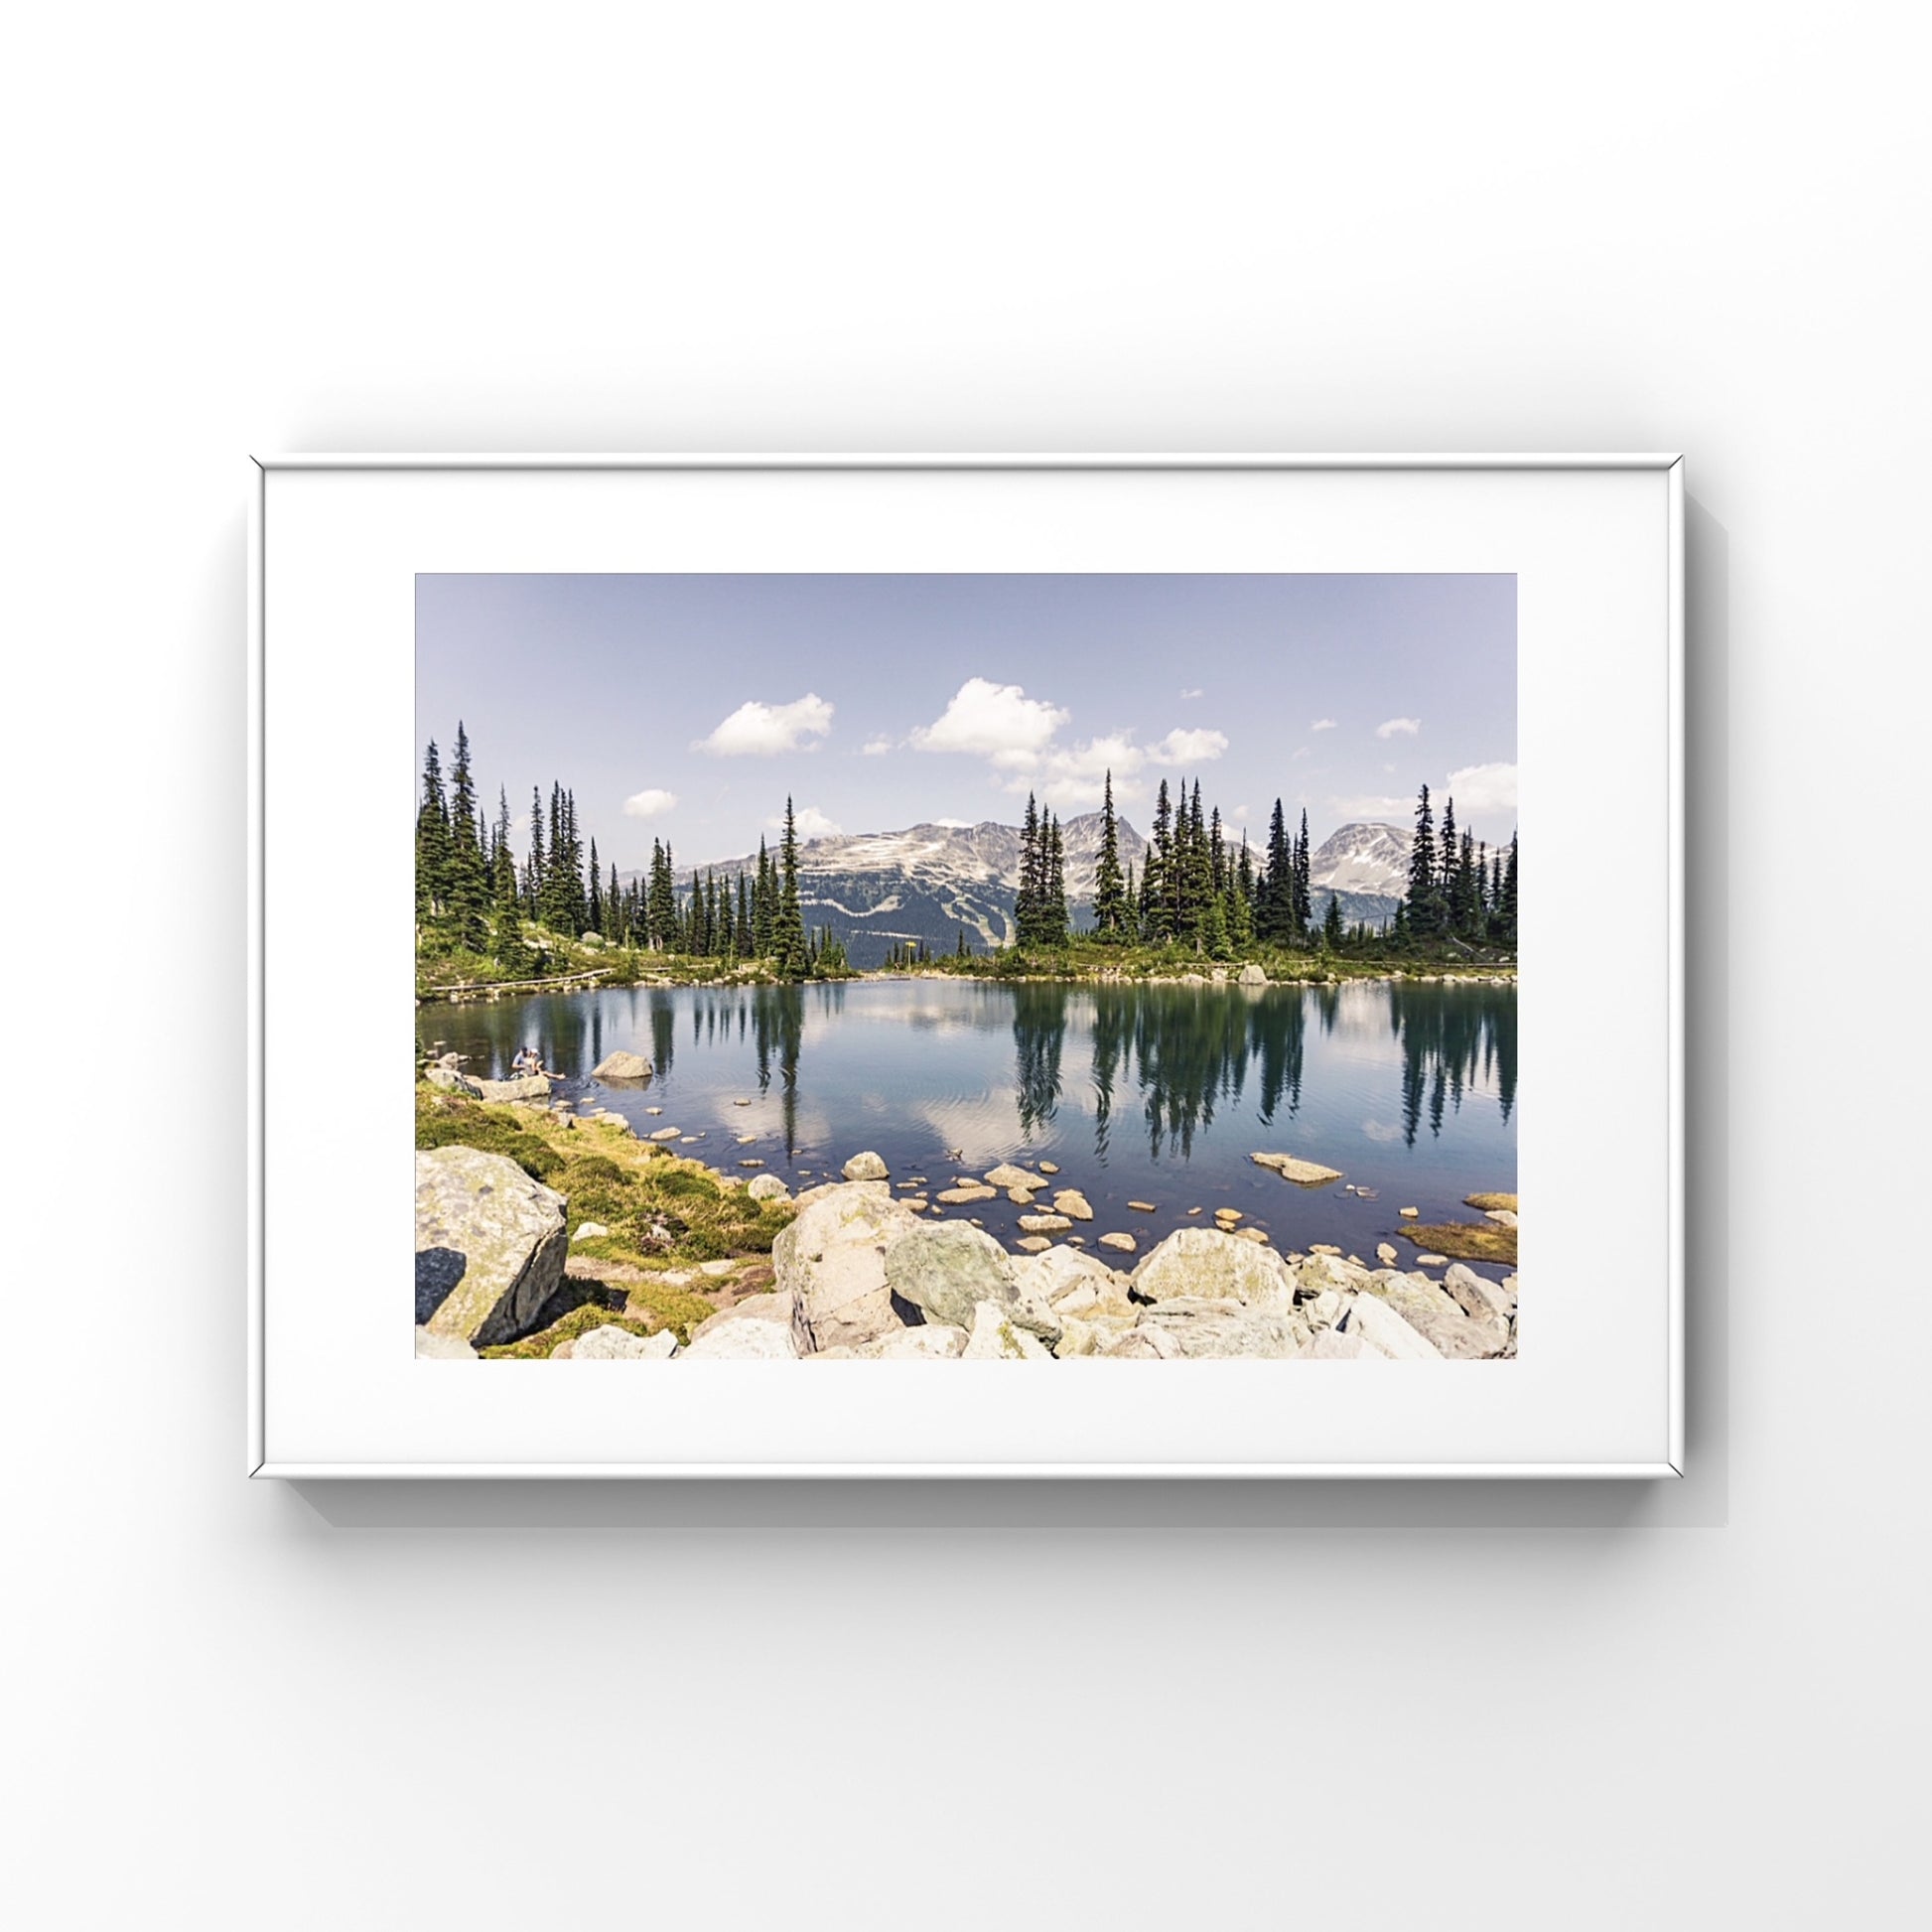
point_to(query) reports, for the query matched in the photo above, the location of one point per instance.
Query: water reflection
(1166, 1062)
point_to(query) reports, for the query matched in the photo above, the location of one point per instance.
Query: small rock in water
(1386, 1255)
(865, 1166)
(1228, 1214)
(1324, 1248)
(751, 1163)
(1432, 1261)
(1143, 1207)
(1194, 1210)
(667, 1134)
(1020, 1196)
(1048, 1167)
(962, 1195)
(653, 1110)
(1408, 1213)
(690, 1140)
(741, 1103)
(1124, 1242)
(1073, 1203)
(1251, 1234)
(1033, 1243)
(1042, 1223)
(745, 1140)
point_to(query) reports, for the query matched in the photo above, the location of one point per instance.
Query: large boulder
(946, 1270)
(950, 1270)
(1251, 975)
(1222, 1330)
(767, 1187)
(866, 1167)
(1382, 1331)
(1477, 1296)
(1059, 1272)
(621, 1067)
(1206, 1264)
(533, 1086)
(1304, 1174)
(450, 1080)
(996, 1338)
(832, 1259)
(614, 1344)
(490, 1246)
(1436, 1316)
(758, 1329)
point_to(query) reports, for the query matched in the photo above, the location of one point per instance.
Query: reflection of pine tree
(1039, 1036)
(1449, 1038)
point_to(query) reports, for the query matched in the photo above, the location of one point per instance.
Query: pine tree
(1154, 869)
(788, 927)
(1108, 889)
(432, 841)
(1052, 911)
(1331, 924)
(1424, 899)
(594, 909)
(1275, 905)
(1027, 900)
(1301, 909)
(469, 882)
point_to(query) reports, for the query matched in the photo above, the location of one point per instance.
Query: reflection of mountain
(1452, 1038)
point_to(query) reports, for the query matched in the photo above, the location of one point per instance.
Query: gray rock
(1007, 1175)
(1052, 1276)
(1251, 975)
(932, 1343)
(1384, 1333)
(621, 1067)
(866, 1167)
(1304, 1174)
(1435, 1315)
(591, 1232)
(996, 1338)
(1226, 1330)
(614, 1344)
(1042, 1223)
(450, 1080)
(1329, 1345)
(950, 1270)
(1479, 1297)
(1073, 1204)
(432, 1347)
(1203, 1263)
(832, 1258)
(965, 1193)
(758, 1329)
(533, 1086)
(767, 1187)
(491, 1245)
(1125, 1243)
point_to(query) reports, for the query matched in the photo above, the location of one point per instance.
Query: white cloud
(761, 730)
(1188, 747)
(650, 804)
(993, 721)
(811, 823)
(1322, 725)
(876, 748)
(1398, 728)
(1194, 693)
(1239, 814)
(1482, 789)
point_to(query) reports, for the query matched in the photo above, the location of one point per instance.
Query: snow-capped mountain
(1363, 858)
(928, 882)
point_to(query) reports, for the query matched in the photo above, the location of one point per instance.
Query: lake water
(1151, 1093)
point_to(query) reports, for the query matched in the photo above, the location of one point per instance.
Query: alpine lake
(1156, 1094)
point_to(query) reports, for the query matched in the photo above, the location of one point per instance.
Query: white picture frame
(1597, 543)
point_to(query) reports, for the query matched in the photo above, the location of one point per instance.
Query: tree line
(1458, 890)
(474, 895)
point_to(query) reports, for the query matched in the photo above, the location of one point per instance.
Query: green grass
(1506, 1202)
(662, 1210)
(1086, 958)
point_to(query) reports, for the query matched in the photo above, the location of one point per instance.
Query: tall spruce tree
(788, 927)
(1301, 909)
(1109, 889)
(1424, 899)
(432, 841)
(1274, 902)
(468, 880)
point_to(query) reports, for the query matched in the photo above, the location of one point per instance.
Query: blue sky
(687, 707)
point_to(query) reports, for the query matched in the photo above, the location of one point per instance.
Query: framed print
(966, 966)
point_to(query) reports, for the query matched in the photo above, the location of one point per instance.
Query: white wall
(611, 227)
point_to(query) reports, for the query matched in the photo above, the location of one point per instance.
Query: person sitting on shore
(522, 1063)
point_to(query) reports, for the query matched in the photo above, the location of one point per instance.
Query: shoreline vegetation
(1203, 910)
(543, 1233)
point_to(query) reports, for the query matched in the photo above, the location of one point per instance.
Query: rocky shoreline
(863, 1273)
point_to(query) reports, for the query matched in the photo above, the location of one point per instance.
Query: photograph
(966, 967)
